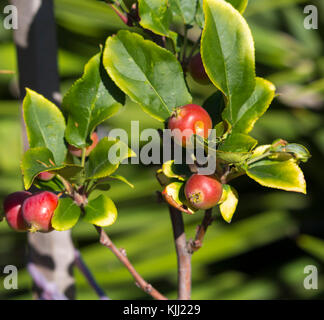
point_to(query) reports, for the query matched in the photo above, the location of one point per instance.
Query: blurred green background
(273, 235)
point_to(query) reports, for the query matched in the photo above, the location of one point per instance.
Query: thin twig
(120, 254)
(80, 264)
(183, 255)
(196, 244)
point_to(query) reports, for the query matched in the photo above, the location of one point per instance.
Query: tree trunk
(36, 45)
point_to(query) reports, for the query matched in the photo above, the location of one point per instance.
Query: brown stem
(183, 255)
(196, 244)
(120, 254)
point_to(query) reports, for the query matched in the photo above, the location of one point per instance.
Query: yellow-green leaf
(228, 203)
(285, 175)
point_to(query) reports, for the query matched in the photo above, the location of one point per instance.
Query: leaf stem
(145, 286)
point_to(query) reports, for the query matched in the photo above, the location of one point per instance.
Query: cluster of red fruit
(33, 212)
(202, 192)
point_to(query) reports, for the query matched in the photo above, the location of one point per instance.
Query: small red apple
(38, 211)
(189, 119)
(203, 192)
(78, 152)
(13, 213)
(197, 70)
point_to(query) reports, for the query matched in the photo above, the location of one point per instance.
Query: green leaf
(238, 142)
(186, 9)
(155, 16)
(45, 124)
(244, 117)
(149, 74)
(69, 171)
(106, 158)
(122, 179)
(299, 152)
(174, 195)
(35, 161)
(239, 5)
(228, 203)
(178, 171)
(52, 185)
(66, 214)
(227, 50)
(284, 175)
(233, 157)
(101, 212)
(91, 100)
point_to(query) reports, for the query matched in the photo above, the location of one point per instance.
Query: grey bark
(35, 39)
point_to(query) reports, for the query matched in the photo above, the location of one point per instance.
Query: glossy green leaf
(91, 100)
(35, 161)
(45, 124)
(239, 5)
(66, 215)
(284, 175)
(298, 151)
(155, 16)
(101, 211)
(106, 158)
(238, 142)
(227, 50)
(149, 74)
(228, 203)
(186, 9)
(52, 185)
(122, 179)
(233, 157)
(243, 118)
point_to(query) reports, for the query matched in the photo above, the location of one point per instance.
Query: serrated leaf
(239, 5)
(186, 9)
(285, 175)
(228, 203)
(101, 211)
(149, 74)
(227, 51)
(66, 215)
(243, 118)
(155, 16)
(91, 100)
(45, 124)
(106, 157)
(35, 161)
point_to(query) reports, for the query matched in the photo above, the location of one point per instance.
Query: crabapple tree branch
(120, 254)
(183, 254)
(196, 244)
